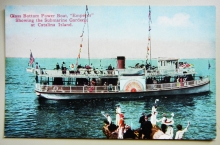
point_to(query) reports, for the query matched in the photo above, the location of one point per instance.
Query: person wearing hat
(117, 111)
(141, 121)
(164, 122)
(128, 133)
(147, 128)
(109, 119)
(180, 132)
(37, 65)
(154, 118)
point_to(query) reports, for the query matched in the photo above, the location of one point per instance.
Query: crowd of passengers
(168, 79)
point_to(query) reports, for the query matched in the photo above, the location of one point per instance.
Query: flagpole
(149, 33)
(88, 32)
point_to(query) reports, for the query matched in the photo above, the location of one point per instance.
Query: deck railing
(82, 72)
(103, 89)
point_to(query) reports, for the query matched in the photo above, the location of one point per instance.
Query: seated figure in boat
(166, 126)
(109, 123)
(128, 133)
(163, 123)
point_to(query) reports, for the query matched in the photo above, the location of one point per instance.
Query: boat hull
(104, 95)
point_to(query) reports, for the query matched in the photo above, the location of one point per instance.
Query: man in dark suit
(141, 121)
(147, 128)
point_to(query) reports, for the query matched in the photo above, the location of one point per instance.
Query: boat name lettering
(81, 15)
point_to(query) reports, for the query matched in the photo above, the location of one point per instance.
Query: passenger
(87, 67)
(111, 126)
(181, 82)
(71, 70)
(184, 81)
(128, 133)
(169, 130)
(57, 66)
(180, 132)
(154, 83)
(154, 113)
(105, 86)
(141, 121)
(37, 65)
(117, 111)
(36, 77)
(154, 107)
(108, 117)
(110, 88)
(63, 68)
(72, 66)
(118, 85)
(154, 118)
(110, 67)
(178, 82)
(147, 128)
(164, 121)
(121, 126)
(93, 83)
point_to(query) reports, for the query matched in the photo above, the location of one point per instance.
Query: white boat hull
(186, 90)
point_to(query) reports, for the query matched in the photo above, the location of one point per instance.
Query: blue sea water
(26, 116)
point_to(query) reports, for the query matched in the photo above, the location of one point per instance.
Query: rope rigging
(80, 49)
(149, 38)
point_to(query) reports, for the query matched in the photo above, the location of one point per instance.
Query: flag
(31, 59)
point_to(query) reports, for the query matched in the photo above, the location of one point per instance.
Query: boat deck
(106, 89)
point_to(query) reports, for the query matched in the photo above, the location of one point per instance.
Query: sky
(111, 31)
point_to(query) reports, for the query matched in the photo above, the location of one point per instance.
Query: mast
(80, 49)
(87, 12)
(149, 39)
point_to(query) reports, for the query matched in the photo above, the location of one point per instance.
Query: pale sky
(176, 31)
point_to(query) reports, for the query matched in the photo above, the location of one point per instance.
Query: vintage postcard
(110, 72)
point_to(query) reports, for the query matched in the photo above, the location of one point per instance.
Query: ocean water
(26, 116)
